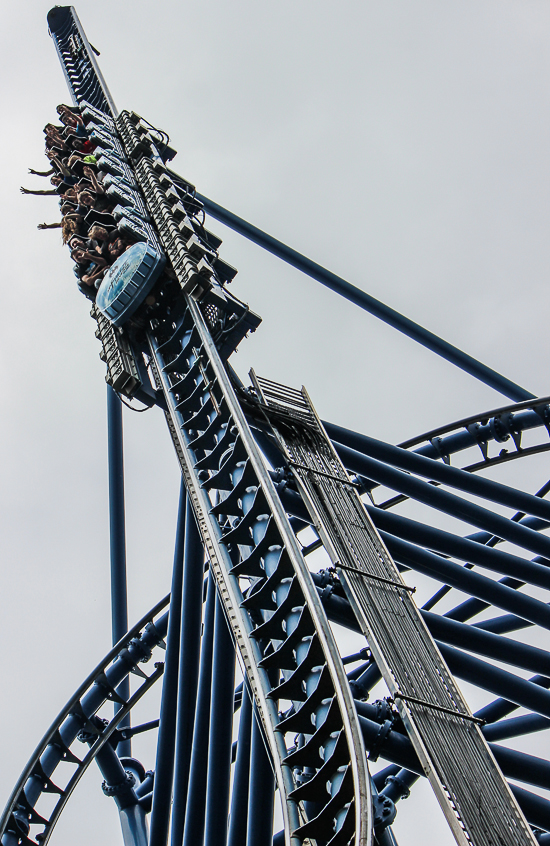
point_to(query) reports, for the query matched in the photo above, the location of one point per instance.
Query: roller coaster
(268, 487)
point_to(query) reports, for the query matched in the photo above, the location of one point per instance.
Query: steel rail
(242, 622)
(97, 689)
(336, 806)
(76, 55)
(496, 424)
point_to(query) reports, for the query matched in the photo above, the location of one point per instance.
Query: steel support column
(260, 793)
(221, 724)
(189, 655)
(193, 831)
(365, 301)
(239, 799)
(164, 770)
(117, 542)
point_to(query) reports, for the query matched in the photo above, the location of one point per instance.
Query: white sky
(404, 145)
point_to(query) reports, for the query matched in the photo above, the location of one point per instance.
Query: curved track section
(485, 432)
(76, 55)
(54, 762)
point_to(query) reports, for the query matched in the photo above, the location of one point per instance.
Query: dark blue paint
(164, 770)
(365, 301)
(117, 542)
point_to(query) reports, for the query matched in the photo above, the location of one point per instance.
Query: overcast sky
(404, 145)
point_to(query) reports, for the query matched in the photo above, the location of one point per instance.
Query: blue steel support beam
(516, 727)
(398, 784)
(449, 444)
(420, 560)
(468, 581)
(239, 798)
(398, 748)
(500, 708)
(500, 682)
(221, 725)
(196, 796)
(365, 301)
(117, 541)
(448, 632)
(444, 501)
(472, 607)
(380, 778)
(535, 808)
(504, 624)
(339, 611)
(164, 770)
(132, 815)
(389, 523)
(504, 649)
(447, 543)
(260, 792)
(454, 477)
(191, 620)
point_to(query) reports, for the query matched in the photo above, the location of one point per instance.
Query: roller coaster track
(268, 594)
(55, 757)
(269, 597)
(257, 471)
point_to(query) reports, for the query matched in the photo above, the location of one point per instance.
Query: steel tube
(497, 681)
(133, 822)
(164, 770)
(221, 724)
(468, 581)
(444, 501)
(454, 477)
(399, 749)
(535, 808)
(117, 542)
(503, 624)
(365, 301)
(446, 445)
(196, 796)
(449, 631)
(517, 726)
(521, 766)
(500, 648)
(239, 798)
(132, 816)
(453, 545)
(189, 656)
(260, 792)
(472, 607)
(499, 708)
(398, 784)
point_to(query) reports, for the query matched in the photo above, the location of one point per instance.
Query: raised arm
(42, 172)
(28, 191)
